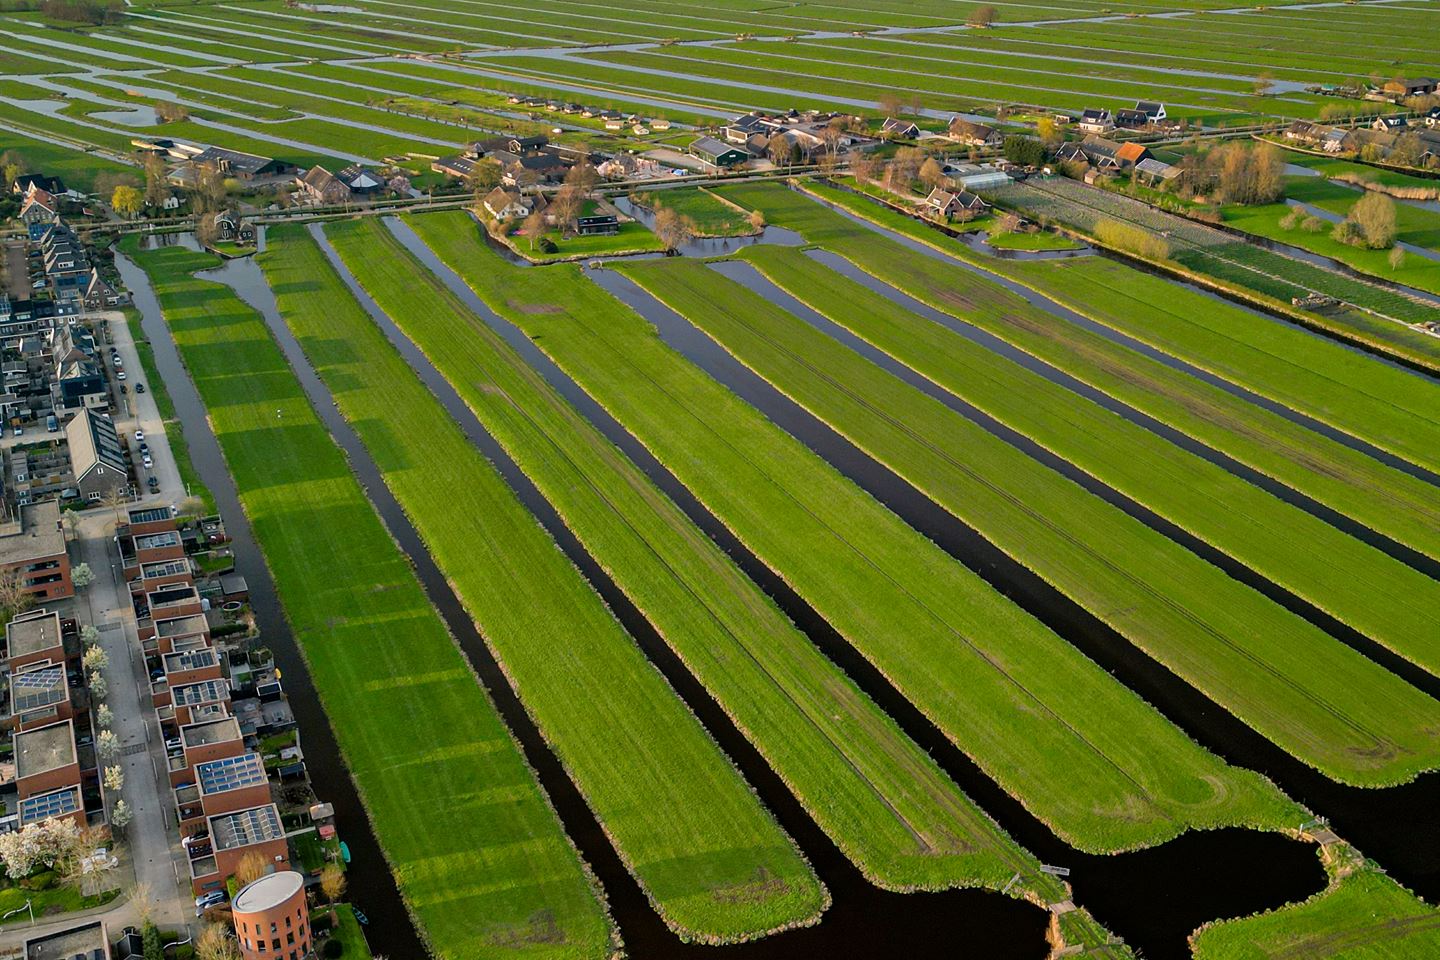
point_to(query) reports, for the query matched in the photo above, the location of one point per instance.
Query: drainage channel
(1057, 309)
(748, 276)
(1123, 890)
(1393, 824)
(391, 930)
(1407, 555)
(863, 921)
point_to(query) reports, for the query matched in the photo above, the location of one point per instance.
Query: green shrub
(334, 947)
(43, 880)
(548, 246)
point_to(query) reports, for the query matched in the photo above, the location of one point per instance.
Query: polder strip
(713, 862)
(1380, 596)
(1310, 694)
(1086, 756)
(1384, 499)
(474, 845)
(881, 798)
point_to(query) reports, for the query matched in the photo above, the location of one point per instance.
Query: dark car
(139, 388)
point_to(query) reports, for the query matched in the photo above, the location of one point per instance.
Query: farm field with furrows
(743, 481)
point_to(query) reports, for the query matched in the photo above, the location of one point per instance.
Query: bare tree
(533, 228)
(566, 206)
(582, 177)
(930, 173)
(982, 16)
(157, 188)
(15, 599)
(673, 230)
(215, 943)
(865, 166)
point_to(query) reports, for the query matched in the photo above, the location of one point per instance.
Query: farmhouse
(1154, 112)
(1130, 154)
(716, 154)
(1131, 119)
(322, 187)
(1096, 121)
(29, 182)
(241, 166)
(503, 204)
(945, 205)
(528, 171)
(1319, 136)
(233, 228)
(1389, 124)
(628, 166)
(1096, 151)
(896, 129)
(973, 134)
(39, 206)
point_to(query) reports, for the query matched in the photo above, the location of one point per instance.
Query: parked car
(120, 376)
(207, 900)
(139, 434)
(19, 431)
(139, 388)
(145, 458)
(153, 483)
(124, 389)
(144, 449)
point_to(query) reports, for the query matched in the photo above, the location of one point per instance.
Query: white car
(148, 462)
(120, 375)
(139, 435)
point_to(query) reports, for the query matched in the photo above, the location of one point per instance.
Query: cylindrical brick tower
(272, 918)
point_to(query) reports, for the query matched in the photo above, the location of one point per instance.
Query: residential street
(139, 410)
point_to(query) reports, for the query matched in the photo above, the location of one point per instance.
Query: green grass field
(1382, 597)
(712, 860)
(1362, 916)
(1105, 779)
(632, 238)
(1313, 696)
(713, 217)
(1385, 499)
(479, 855)
(881, 798)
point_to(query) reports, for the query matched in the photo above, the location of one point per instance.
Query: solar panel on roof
(47, 805)
(37, 688)
(231, 773)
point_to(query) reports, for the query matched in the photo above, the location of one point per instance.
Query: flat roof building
(90, 941)
(32, 545)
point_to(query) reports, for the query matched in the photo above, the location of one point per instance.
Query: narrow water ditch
(1395, 824)
(1277, 488)
(863, 921)
(1063, 312)
(372, 886)
(1153, 897)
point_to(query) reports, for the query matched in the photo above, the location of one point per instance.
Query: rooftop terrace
(212, 731)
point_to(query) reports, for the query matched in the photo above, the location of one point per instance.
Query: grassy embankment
(174, 432)
(479, 855)
(713, 862)
(1384, 499)
(1310, 694)
(1397, 182)
(1105, 778)
(885, 803)
(1375, 593)
(1361, 915)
